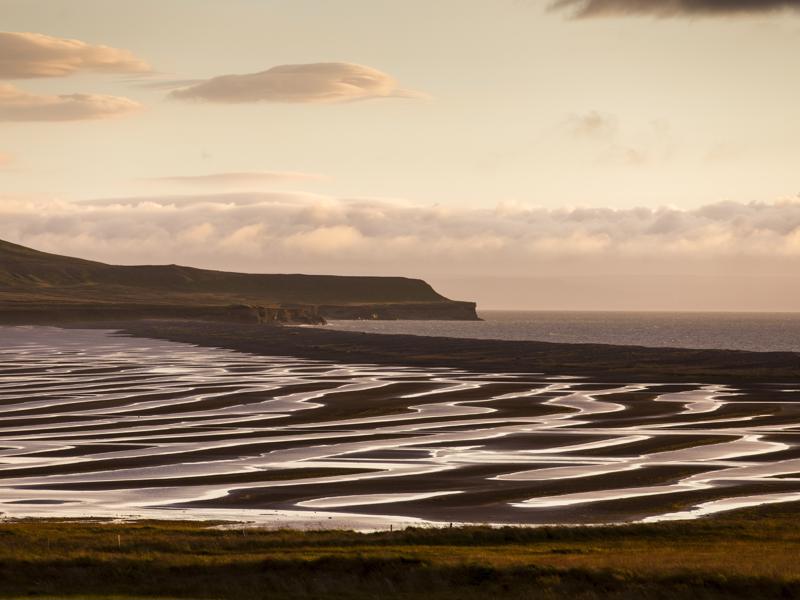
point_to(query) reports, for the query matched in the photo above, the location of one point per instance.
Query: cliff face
(422, 311)
(47, 314)
(39, 286)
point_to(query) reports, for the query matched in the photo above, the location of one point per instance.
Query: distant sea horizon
(753, 331)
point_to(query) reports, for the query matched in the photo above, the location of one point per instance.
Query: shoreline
(600, 362)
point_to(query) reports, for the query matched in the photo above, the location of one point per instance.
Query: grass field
(747, 554)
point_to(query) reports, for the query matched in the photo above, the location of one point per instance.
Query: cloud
(325, 239)
(593, 125)
(727, 255)
(18, 105)
(5, 159)
(28, 55)
(242, 180)
(280, 231)
(165, 84)
(318, 83)
(672, 8)
(611, 144)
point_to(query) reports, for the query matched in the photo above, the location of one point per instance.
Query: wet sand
(600, 362)
(100, 424)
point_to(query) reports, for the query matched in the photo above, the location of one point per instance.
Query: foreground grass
(748, 554)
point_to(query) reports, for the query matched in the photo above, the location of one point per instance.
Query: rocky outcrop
(53, 313)
(422, 311)
(76, 313)
(298, 315)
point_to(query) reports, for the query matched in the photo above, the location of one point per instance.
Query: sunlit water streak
(95, 424)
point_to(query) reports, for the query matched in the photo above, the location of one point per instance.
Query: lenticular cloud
(19, 105)
(25, 55)
(318, 83)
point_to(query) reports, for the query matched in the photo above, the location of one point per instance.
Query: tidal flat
(98, 424)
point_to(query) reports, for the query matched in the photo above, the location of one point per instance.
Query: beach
(290, 426)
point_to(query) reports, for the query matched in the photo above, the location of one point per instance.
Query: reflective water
(94, 424)
(760, 332)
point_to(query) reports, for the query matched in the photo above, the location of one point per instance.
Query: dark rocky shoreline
(599, 361)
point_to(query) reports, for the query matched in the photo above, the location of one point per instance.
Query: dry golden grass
(748, 554)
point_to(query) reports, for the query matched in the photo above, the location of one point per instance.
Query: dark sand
(598, 361)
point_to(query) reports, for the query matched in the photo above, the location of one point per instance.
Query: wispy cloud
(18, 105)
(25, 55)
(614, 144)
(316, 83)
(164, 84)
(592, 125)
(239, 180)
(673, 8)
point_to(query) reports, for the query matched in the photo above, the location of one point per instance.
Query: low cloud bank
(270, 229)
(728, 255)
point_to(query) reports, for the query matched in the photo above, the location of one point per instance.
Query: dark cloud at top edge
(673, 8)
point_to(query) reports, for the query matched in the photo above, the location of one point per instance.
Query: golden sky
(623, 154)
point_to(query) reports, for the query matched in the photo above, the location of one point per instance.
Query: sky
(525, 154)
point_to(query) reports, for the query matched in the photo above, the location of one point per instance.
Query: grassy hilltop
(50, 284)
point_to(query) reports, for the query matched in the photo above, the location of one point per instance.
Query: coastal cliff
(423, 311)
(38, 287)
(52, 314)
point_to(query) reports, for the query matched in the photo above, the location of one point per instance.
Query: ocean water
(761, 332)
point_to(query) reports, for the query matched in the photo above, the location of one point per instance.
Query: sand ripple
(103, 425)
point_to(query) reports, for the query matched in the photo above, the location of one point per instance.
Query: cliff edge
(38, 287)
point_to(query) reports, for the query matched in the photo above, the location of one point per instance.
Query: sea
(759, 332)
